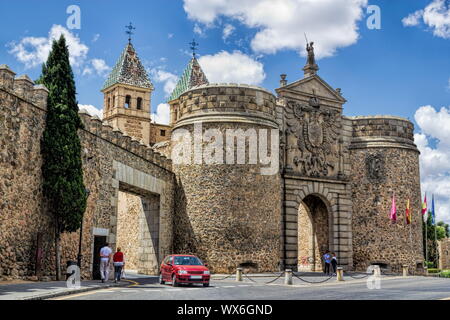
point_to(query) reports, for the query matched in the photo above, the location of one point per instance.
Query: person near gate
(105, 259)
(334, 263)
(119, 264)
(327, 262)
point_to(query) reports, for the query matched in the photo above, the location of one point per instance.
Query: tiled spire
(129, 70)
(192, 76)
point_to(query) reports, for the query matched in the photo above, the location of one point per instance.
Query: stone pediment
(312, 86)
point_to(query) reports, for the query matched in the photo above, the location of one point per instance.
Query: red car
(183, 269)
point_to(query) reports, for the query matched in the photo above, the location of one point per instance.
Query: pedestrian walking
(105, 258)
(327, 262)
(119, 265)
(334, 263)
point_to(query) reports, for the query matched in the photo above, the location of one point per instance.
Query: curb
(74, 291)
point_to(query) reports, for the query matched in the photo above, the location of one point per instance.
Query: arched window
(114, 101)
(128, 101)
(139, 103)
(109, 103)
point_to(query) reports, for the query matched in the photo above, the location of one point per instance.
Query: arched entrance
(314, 233)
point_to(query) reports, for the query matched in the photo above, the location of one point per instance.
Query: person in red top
(119, 264)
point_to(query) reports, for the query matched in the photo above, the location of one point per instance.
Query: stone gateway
(331, 190)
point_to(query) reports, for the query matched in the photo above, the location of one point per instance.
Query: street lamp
(80, 256)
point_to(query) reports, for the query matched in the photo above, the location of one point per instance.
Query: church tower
(127, 96)
(193, 76)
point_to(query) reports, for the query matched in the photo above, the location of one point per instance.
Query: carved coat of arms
(375, 167)
(316, 132)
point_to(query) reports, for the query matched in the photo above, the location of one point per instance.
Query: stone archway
(314, 232)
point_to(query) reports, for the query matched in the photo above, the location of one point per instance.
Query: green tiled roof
(129, 70)
(192, 76)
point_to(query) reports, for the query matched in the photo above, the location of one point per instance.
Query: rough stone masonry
(332, 191)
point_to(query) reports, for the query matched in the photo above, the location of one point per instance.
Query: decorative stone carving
(316, 134)
(375, 167)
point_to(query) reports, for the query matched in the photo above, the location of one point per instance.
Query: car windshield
(187, 261)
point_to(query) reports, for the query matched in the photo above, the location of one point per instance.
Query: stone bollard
(377, 271)
(288, 277)
(405, 270)
(425, 270)
(239, 274)
(340, 274)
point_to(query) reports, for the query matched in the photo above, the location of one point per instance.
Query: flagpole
(426, 238)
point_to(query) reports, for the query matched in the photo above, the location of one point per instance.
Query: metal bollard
(288, 277)
(405, 270)
(340, 274)
(239, 274)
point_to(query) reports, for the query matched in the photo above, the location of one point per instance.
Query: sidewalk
(45, 290)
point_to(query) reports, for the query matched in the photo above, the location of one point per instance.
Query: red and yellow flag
(408, 213)
(424, 205)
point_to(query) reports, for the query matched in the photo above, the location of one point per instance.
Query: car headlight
(182, 272)
(205, 272)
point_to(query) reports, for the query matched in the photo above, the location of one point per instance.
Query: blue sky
(401, 69)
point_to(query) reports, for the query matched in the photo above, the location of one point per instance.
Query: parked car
(183, 269)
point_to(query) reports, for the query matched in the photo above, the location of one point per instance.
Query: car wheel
(161, 281)
(174, 281)
(206, 284)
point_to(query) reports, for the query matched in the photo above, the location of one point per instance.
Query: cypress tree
(61, 148)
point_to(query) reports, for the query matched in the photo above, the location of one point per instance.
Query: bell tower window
(139, 103)
(128, 101)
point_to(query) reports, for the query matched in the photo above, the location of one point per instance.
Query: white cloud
(436, 16)
(169, 79)
(33, 51)
(93, 111)
(170, 36)
(435, 161)
(413, 19)
(227, 31)
(98, 66)
(235, 67)
(96, 37)
(162, 115)
(198, 30)
(281, 24)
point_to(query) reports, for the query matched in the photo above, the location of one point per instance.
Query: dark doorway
(99, 242)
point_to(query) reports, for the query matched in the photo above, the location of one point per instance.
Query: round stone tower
(385, 162)
(225, 148)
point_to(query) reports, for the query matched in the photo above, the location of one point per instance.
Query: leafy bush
(434, 270)
(445, 274)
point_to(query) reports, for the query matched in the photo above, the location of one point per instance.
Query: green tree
(446, 228)
(61, 148)
(433, 233)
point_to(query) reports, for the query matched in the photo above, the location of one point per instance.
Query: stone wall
(444, 254)
(106, 153)
(385, 161)
(227, 214)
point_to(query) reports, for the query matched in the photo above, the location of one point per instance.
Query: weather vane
(194, 46)
(129, 32)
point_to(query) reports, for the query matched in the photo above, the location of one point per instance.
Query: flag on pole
(393, 215)
(424, 205)
(433, 214)
(408, 213)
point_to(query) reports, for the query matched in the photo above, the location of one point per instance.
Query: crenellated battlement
(23, 87)
(95, 126)
(382, 131)
(226, 101)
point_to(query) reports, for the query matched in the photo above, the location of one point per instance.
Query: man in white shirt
(105, 258)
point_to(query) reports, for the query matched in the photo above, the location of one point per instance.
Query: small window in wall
(114, 101)
(139, 103)
(127, 101)
(109, 103)
(162, 133)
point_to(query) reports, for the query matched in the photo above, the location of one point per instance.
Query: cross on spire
(194, 46)
(130, 32)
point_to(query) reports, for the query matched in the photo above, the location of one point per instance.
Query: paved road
(392, 288)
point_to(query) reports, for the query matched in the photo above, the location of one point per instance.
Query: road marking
(244, 285)
(76, 295)
(152, 290)
(134, 283)
(229, 287)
